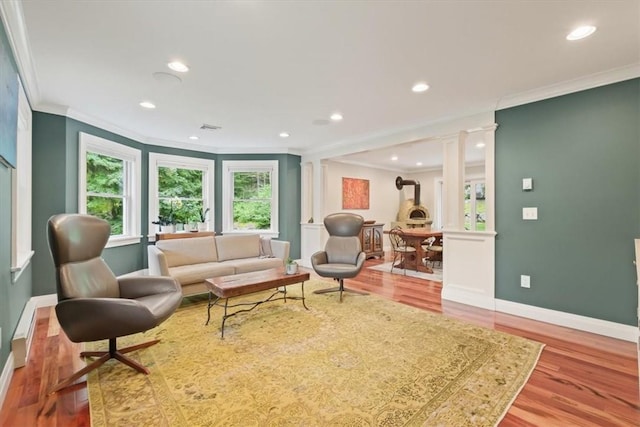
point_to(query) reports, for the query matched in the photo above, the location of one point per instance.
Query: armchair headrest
(76, 237)
(343, 224)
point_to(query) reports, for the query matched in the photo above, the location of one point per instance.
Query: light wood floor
(581, 379)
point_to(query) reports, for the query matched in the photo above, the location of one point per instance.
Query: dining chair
(400, 249)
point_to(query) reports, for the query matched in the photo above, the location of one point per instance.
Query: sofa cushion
(248, 265)
(194, 250)
(237, 246)
(196, 273)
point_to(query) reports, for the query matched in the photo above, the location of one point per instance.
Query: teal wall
(9, 96)
(583, 152)
(13, 296)
(55, 190)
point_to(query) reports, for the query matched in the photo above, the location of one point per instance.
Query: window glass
(474, 206)
(105, 195)
(180, 195)
(252, 200)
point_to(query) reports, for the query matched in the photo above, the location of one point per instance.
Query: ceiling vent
(209, 127)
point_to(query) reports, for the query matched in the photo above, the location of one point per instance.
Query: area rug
(363, 362)
(436, 276)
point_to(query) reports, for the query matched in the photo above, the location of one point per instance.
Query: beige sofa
(192, 261)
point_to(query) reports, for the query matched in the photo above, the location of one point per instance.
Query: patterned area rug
(364, 362)
(436, 276)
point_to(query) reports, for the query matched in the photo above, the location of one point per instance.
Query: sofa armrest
(280, 249)
(157, 262)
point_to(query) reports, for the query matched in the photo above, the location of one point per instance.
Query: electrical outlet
(530, 214)
(525, 281)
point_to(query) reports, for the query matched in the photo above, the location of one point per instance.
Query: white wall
(384, 198)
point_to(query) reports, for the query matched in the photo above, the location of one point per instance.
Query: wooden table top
(419, 232)
(255, 281)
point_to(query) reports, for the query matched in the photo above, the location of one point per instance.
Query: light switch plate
(530, 214)
(527, 184)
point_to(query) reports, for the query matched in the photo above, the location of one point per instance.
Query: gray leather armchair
(93, 304)
(342, 257)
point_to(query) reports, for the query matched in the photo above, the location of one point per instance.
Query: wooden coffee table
(226, 287)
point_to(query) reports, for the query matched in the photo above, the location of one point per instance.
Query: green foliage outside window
(480, 206)
(180, 194)
(105, 195)
(252, 200)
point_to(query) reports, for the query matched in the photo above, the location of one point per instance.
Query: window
(21, 252)
(180, 190)
(474, 205)
(109, 186)
(250, 197)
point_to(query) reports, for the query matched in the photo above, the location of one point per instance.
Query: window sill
(114, 242)
(265, 233)
(17, 271)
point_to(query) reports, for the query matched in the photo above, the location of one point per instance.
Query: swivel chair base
(112, 353)
(340, 289)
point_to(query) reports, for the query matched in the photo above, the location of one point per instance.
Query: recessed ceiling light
(419, 164)
(581, 32)
(148, 104)
(284, 134)
(394, 158)
(178, 66)
(420, 87)
(194, 137)
(336, 117)
(480, 145)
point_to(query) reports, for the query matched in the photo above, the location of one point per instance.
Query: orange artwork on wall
(355, 193)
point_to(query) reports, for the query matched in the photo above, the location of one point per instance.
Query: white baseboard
(5, 378)
(467, 296)
(575, 321)
(23, 335)
(45, 300)
(569, 320)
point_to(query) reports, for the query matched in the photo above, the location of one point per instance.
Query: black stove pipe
(416, 191)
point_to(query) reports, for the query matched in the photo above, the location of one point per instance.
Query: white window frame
(21, 194)
(472, 182)
(438, 191)
(132, 184)
(157, 160)
(229, 167)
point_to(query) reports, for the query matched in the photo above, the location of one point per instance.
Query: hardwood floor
(581, 379)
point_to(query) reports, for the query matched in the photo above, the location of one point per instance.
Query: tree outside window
(180, 194)
(105, 190)
(474, 206)
(252, 200)
(250, 197)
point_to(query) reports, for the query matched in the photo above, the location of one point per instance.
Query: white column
(306, 184)
(490, 176)
(313, 235)
(453, 185)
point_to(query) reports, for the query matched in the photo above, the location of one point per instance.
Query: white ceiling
(259, 68)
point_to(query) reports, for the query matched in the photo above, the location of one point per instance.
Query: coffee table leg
(224, 318)
(303, 301)
(211, 304)
(285, 293)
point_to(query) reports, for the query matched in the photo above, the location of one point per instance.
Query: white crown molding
(13, 21)
(569, 86)
(61, 110)
(435, 129)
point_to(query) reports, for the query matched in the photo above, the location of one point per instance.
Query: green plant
(203, 214)
(290, 261)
